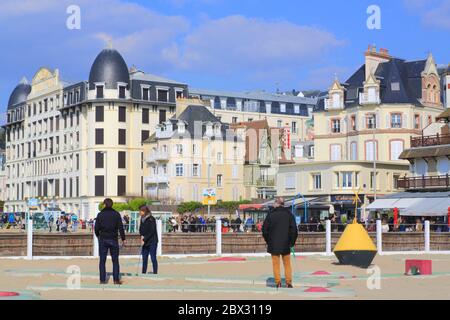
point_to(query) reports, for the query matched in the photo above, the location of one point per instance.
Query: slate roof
(19, 95)
(109, 67)
(255, 95)
(195, 116)
(406, 73)
(139, 75)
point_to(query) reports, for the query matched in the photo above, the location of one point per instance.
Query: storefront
(344, 206)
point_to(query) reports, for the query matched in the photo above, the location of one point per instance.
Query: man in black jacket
(280, 233)
(149, 238)
(107, 227)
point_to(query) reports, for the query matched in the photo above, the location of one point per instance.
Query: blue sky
(218, 44)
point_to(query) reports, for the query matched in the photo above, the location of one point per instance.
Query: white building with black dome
(72, 145)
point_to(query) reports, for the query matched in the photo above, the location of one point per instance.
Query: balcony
(365, 98)
(428, 141)
(158, 157)
(331, 104)
(157, 179)
(424, 182)
(266, 182)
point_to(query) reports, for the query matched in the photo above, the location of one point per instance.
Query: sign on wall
(209, 197)
(33, 203)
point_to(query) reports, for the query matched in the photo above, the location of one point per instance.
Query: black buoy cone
(355, 247)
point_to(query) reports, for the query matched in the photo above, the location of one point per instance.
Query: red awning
(251, 206)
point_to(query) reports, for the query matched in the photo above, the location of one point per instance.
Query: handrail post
(159, 232)
(379, 237)
(29, 238)
(328, 237)
(219, 236)
(427, 236)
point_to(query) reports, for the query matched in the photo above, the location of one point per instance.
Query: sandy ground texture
(315, 277)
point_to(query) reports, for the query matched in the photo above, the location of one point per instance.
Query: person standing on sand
(280, 233)
(149, 238)
(107, 227)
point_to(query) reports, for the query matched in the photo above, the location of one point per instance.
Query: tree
(189, 207)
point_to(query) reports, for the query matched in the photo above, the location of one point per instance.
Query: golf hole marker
(355, 247)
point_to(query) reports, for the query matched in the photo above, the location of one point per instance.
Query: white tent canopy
(430, 207)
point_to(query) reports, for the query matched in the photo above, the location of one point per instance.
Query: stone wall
(14, 244)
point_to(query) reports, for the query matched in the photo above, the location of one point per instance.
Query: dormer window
(209, 129)
(163, 94)
(217, 130)
(179, 93)
(100, 91)
(336, 100)
(336, 97)
(146, 94)
(122, 92)
(181, 128)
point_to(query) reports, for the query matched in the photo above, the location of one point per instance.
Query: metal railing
(424, 182)
(427, 141)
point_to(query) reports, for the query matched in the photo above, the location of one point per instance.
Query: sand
(201, 279)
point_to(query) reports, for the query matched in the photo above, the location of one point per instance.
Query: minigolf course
(205, 278)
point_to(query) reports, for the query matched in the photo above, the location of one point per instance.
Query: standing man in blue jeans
(107, 227)
(149, 238)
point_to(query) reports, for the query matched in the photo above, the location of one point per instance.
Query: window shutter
(377, 120)
(363, 122)
(405, 121)
(388, 121)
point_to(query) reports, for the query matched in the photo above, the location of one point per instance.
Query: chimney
(374, 58)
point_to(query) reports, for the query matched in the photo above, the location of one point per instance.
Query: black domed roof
(109, 67)
(19, 94)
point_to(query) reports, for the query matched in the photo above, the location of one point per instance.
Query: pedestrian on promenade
(107, 227)
(280, 233)
(149, 238)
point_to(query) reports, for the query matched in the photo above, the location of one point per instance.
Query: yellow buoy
(355, 247)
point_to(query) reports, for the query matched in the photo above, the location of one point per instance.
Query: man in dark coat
(280, 233)
(107, 227)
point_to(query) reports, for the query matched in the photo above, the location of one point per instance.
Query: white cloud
(322, 77)
(238, 43)
(253, 50)
(433, 13)
(25, 7)
(439, 16)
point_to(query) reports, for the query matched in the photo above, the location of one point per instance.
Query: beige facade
(326, 178)
(73, 145)
(181, 163)
(363, 127)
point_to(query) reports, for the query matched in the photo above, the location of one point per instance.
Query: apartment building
(190, 152)
(72, 145)
(361, 128)
(279, 110)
